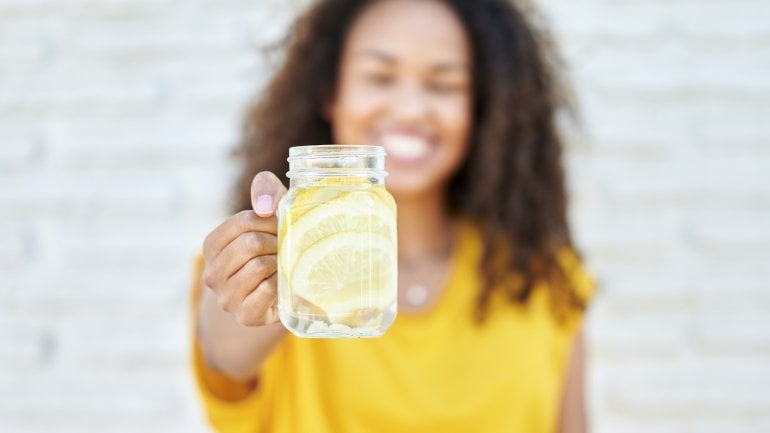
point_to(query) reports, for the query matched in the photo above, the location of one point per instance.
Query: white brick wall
(672, 206)
(116, 117)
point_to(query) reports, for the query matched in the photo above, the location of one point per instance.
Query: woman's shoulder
(578, 283)
(579, 278)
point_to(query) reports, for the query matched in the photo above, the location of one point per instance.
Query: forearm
(229, 347)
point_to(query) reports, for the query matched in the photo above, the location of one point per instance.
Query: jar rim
(332, 149)
(326, 160)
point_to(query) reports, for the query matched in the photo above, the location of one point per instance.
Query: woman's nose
(409, 103)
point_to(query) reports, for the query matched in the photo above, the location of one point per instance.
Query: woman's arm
(572, 418)
(230, 347)
(238, 309)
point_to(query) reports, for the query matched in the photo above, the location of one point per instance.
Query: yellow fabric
(433, 372)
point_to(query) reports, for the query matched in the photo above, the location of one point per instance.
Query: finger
(266, 191)
(242, 222)
(246, 280)
(260, 306)
(242, 249)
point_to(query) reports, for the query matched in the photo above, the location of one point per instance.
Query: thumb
(266, 190)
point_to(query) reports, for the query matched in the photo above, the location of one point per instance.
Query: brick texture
(117, 117)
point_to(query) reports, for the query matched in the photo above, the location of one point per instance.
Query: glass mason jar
(337, 252)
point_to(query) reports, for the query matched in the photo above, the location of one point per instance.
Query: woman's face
(405, 84)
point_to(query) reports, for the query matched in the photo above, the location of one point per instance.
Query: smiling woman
(491, 292)
(415, 99)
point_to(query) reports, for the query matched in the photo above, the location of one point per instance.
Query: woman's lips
(405, 147)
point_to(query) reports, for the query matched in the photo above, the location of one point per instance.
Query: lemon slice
(357, 210)
(337, 252)
(347, 272)
(321, 192)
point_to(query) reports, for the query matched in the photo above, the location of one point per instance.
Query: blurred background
(117, 117)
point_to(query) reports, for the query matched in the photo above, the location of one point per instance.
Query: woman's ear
(327, 106)
(328, 102)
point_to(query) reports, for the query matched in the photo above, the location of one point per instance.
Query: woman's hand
(241, 260)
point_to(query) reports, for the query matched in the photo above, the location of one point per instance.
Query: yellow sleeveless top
(434, 372)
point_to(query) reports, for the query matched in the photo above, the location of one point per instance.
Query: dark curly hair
(512, 182)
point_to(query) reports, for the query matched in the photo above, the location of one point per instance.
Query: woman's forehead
(394, 29)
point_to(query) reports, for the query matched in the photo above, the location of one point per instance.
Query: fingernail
(264, 204)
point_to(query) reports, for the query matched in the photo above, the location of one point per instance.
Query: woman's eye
(380, 79)
(442, 87)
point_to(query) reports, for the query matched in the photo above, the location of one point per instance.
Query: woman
(462, 96)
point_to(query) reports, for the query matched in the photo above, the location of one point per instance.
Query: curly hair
(512, 182)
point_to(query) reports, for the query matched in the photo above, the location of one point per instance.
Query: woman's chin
(404, 186)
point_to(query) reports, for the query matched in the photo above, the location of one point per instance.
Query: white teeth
(405, 146)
